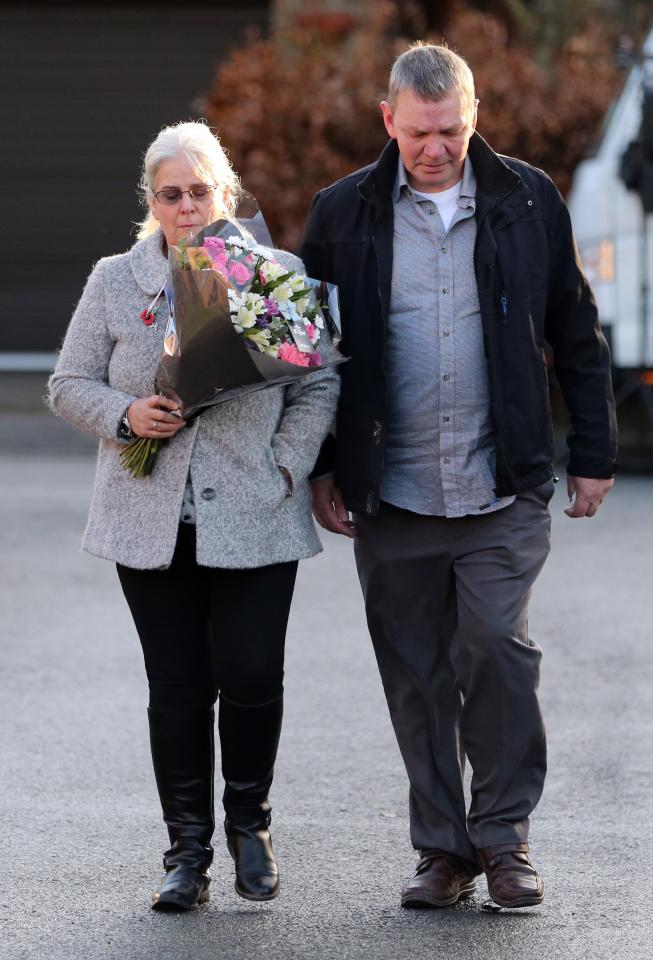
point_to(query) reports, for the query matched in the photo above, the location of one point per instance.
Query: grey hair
(431, 72)
(204, 152)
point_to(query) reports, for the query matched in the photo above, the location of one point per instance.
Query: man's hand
(329, 509)
(589, 495)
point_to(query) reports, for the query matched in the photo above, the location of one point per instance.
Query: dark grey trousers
(447, 610)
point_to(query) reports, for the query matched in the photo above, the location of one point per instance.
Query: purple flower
(271, 306)
(262, 321)
(315, 360)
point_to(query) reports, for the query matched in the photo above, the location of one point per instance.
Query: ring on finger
(156, 425)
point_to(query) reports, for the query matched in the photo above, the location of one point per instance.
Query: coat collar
(494, 178)
(376, 186)
(149, 264)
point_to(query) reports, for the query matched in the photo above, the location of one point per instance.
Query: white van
(615, 237)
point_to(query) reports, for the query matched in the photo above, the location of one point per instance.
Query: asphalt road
(81, 830)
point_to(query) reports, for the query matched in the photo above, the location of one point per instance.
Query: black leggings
(207, 630)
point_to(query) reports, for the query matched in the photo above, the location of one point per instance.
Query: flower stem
(139, 457)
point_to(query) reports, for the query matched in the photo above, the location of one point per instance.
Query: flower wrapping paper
(206, 360)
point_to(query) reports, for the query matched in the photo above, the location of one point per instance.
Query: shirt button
(208, 493)
(445, 333)
(445, 289)
(446, 419)
(443, 249)
(446, 376)
(445, 460)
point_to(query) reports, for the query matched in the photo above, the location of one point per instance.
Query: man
(454, 266)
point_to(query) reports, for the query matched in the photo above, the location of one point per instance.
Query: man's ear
(386, 110)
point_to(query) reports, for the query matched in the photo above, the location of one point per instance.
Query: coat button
(208, 493)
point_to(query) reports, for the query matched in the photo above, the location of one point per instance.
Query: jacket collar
(376, 186)
(149, 264)
(494, 178)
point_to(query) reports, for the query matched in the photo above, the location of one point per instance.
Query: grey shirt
(440, 455)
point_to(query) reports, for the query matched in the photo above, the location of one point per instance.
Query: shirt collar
(401, 181)
(467, 188)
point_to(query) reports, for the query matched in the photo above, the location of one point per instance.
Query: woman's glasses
(172, 195)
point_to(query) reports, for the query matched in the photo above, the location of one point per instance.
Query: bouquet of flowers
(239, 322)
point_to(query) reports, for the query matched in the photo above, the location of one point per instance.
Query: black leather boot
(183, 757)
(249, 737)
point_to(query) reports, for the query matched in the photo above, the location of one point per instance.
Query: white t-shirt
(445, 200)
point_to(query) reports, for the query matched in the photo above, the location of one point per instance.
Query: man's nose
(434, 147)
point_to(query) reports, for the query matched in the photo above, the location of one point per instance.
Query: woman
(207, 546)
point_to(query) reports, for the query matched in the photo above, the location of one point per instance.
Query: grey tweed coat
(245, 517)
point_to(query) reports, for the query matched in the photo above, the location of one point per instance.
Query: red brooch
(148, 317)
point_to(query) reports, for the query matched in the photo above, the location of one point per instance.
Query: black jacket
(531, 289)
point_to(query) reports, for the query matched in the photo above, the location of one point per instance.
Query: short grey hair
(204, 152)
(431, 71)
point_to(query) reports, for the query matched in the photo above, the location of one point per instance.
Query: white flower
(296, 282)
(255, 302)
(302, 305)
(272, 270)
(283, 292)
(261, 338)
(246, 318)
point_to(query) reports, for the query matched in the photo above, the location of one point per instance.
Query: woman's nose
(186, 203)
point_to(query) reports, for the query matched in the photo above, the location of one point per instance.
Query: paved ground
(82, 836)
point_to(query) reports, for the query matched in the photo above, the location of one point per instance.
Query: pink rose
(214, 245)
(290, 353)
(311, 331)
(220, 264)
(239, 273)
(315, 360)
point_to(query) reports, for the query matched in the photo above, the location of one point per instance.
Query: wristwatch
(125, 431)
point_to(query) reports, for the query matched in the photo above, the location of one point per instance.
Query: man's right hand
(329, 509)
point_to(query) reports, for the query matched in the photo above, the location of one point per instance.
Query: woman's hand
(155, 417)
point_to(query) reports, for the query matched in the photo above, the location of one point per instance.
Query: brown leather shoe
(512, 880)
(439, 881)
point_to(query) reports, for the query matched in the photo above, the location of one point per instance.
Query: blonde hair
(202, 149)
(431, 71)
